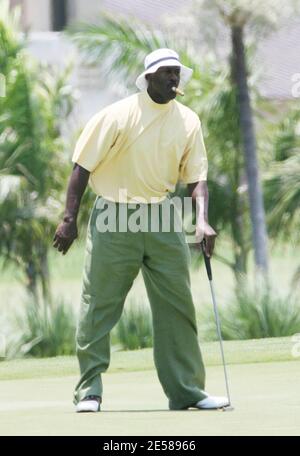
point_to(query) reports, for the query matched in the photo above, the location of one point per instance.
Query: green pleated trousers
(112, 262)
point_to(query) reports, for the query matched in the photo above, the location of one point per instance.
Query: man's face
(162, 81)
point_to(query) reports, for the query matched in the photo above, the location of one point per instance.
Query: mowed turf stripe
(236, 352)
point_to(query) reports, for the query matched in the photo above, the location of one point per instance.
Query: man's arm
(66, 231)
(199, 193)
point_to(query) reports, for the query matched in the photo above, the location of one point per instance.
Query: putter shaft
(220, 339)
(218, 324)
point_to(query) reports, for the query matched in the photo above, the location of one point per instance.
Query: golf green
(266, 397)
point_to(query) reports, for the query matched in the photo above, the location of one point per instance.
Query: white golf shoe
(212, 402)
(89, 404)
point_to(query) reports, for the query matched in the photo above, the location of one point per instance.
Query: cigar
(178, 91)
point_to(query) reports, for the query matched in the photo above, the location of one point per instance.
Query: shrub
(255, 315)
(134, 329)
(46, 331)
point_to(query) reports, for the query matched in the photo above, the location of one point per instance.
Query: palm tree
(239, 76)
(258, 18)
(33, 167)
(236, 16)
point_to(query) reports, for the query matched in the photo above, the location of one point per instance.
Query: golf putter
(227, 408)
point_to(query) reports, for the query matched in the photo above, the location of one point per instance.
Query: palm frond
(120, 46)
(282, 187)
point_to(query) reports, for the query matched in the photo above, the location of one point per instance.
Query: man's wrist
(69, 218)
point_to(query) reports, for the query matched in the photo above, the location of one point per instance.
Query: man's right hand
(65, 234)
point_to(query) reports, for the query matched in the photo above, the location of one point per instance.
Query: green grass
(36, 395)
(236, 352)
(265, 396)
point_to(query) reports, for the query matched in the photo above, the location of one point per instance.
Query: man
(136, 150)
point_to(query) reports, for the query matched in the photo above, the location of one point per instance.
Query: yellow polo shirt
(137, 150)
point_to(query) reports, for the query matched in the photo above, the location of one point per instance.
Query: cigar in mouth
(178, 91)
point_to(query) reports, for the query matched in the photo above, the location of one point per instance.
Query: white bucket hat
(158, 58)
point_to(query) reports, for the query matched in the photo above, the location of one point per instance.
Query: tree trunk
(240, 252)
(237, 219)
(257, 213)
(32, 280)
(45, 278)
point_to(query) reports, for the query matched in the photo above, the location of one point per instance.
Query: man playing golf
(135, 151)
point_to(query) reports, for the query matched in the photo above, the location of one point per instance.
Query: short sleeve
(193, 166)
(95, 141)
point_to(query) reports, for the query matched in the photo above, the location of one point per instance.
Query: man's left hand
(207, 233)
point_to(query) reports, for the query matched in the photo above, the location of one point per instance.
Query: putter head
(227, 408)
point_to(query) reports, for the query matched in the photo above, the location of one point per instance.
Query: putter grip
(207, 261)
